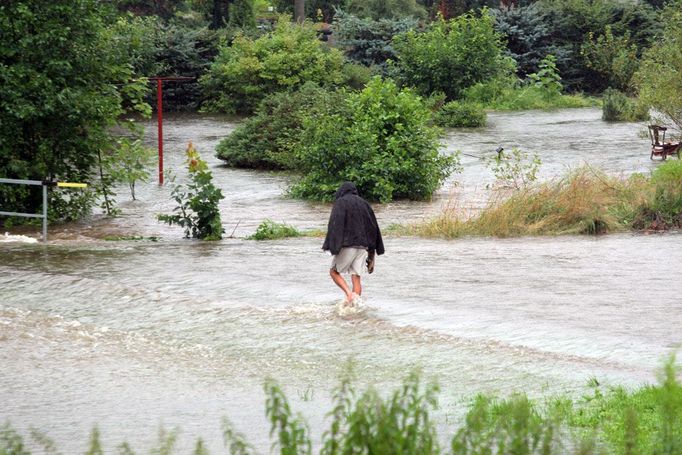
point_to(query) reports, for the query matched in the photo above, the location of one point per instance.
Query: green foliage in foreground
(609, 421)
(270, 230)
(381, 140)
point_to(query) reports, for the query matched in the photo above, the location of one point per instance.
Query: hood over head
(346, 188)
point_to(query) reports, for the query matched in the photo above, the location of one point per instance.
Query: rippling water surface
(136, 335)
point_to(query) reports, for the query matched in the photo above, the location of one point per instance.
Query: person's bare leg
(357, 285)
(340, 282)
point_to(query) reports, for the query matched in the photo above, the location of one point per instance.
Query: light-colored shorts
(350, 260)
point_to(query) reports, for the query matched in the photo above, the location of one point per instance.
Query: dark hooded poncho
(352, 223)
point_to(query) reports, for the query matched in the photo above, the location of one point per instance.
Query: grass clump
(271, 230)
(518, 96)
(586, 201)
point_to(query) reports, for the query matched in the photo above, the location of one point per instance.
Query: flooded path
(134, 335)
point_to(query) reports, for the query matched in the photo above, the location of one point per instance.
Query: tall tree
(299, 10)
(64, 83)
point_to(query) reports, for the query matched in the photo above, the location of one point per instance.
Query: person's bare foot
(350, 299)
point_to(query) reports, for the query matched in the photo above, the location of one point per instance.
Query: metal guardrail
(45, 184)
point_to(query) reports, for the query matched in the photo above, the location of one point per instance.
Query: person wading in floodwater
(353, 238)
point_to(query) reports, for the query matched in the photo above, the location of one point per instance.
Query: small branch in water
(235, 228)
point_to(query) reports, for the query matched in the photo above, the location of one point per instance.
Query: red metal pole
(159, 113)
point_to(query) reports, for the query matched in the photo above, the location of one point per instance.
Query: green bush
(451, 55)
(286, 58)
(65, 82)
(541, 90)
(270, 230)
(618, 107)
(659, 78)
(369, 41)
(381, 140)
(356, 76)
(458, 114)
(268, 139)
(667, 199)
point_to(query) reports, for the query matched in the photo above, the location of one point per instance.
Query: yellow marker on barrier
(71, 185)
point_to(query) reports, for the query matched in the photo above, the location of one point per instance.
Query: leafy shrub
(547, 78)
(59, 98)
(613, 57)
(268, 139)
(369, 41)
(356, 76)
(270, 230)
(521, 97)
(283, 59)
(460, 114)
(659, 78)
(513, 170)
(197, 211)
(450, 55)
(617, 107)
(380, 139)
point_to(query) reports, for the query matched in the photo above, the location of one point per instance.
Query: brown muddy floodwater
(131, 336)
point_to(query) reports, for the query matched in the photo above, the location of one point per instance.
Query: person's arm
(334, 239)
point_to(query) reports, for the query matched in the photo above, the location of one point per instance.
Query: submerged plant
(513, 170)
(270, 230)
(197, 211)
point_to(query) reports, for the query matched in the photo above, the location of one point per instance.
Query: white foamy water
(133, 335)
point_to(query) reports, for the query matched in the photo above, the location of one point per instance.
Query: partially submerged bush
(268, 139)
(457, 114)
(618, 107)
(270, 230)
(381, 140)
(541, 90)
(197, 211)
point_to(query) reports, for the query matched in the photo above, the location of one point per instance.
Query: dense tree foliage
(381, 140)
(65, 81)
(283, 59)
(369, 41)
(450, 55)
(659, 78)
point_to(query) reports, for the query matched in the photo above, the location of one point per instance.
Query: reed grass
(586, 201)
